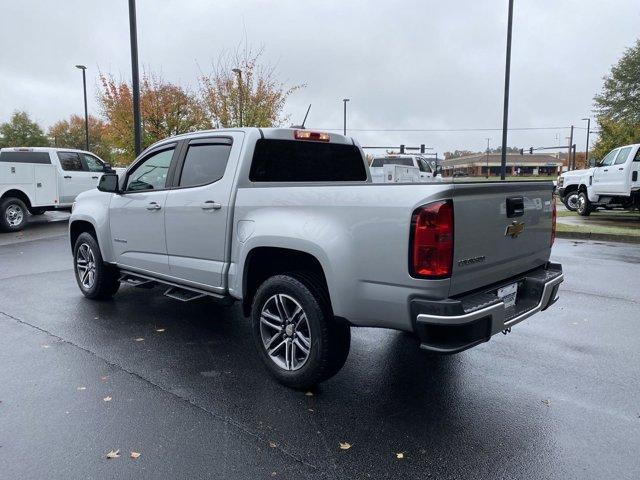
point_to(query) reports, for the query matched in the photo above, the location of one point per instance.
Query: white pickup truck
(34, 180)
(403, 168)
(288, 223)
(611, 183)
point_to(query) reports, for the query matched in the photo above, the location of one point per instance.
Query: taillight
(431, 243)
(308, 135)
(554, 215)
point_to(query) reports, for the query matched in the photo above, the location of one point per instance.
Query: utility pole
(135, 78)
(86, 115)
(505, 113)
(570, 165)
(345, 100)
(586, 150)
(488, 140)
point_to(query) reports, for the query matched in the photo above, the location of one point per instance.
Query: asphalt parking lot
(181, 385)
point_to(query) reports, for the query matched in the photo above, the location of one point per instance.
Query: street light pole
(86, 116)
(586, 151)
(488, 140)
(345, 100)
(238, 72)
(505, 113)
(135, 78)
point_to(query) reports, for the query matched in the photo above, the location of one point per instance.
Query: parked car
(246, 215)
(610, 183)
(417, 169)
(34, 180)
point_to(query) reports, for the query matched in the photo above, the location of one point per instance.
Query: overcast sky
(404, 64)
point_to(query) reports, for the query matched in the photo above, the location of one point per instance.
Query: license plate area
(508, 294)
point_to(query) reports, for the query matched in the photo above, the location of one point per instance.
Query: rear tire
(13, 214)
(584, 205)
(96, 280)
(295, 333)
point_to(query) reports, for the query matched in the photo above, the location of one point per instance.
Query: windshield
(382, 161)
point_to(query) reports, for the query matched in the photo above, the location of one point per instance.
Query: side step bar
(175, 291)
(137, 281)
(182, 294)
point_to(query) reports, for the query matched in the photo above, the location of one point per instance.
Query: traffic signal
(401, 148)
(530, 150)
(522, 151)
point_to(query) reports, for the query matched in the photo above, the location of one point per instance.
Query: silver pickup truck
(288, 223)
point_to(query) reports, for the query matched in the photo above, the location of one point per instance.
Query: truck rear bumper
(456, 324)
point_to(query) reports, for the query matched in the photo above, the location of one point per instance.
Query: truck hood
(578, 173)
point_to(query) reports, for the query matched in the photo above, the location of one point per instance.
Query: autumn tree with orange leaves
(71, 134)
(166, 110)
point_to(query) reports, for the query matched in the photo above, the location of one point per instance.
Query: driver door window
(609, 159)
(151, 174)
(92, 164)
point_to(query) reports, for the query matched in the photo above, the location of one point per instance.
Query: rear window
(382, 161)
(204, 164)
(300, 161)
(70, 161)
(25, 157)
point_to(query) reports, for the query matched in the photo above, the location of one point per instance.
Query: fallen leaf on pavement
(400, 455)
(310, 409)
(44, 345)
(547, 402)
(139, 339)
(273, 445)
(160, 329)
(107, 399)
(344, 446)
(309, 394)
(103, 378)
(135, 454)
(81, 388)
(113, 454)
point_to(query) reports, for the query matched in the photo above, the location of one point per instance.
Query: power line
(444, 130)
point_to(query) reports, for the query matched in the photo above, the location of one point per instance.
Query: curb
(605, 237)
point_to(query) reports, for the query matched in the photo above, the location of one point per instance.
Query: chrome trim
(496, 312)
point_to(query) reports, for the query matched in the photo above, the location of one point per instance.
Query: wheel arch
(19, 194)
(263, 262)
(77, 227)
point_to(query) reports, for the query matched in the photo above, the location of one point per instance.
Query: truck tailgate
(495, 238)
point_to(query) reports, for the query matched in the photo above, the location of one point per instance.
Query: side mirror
(108, 168)
(109, 183)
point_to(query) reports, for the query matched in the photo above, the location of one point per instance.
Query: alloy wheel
(285, 332)
(86, 266)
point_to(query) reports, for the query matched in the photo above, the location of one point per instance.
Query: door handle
(153, 206)
(95, 178)
(211, 205)
(606, 170)
(620, 168)
(67, 176)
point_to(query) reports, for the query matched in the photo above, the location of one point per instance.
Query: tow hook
(506, 330)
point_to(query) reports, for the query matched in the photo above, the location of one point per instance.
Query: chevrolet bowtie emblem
(515, 229)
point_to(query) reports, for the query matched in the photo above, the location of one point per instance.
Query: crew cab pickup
(34, 180)
(611, 183)
(288, 223)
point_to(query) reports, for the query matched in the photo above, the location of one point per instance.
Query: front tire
(97, 280)
(570, 201)
(295, 333)
(584, 205)
(13, 214)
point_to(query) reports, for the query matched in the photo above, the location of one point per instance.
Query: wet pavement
(556, 398)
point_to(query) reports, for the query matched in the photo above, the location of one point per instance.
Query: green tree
(21, 131)
(617, 106)
(262, 96)
(71, 134)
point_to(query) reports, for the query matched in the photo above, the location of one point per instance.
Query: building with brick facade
(539, 164)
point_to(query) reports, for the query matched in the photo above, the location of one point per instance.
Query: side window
(70, 161)
(151, 173)
(622, 156)
(421, 165)
(204, 164)
(608, 159)
(91, 163)
(637, 157)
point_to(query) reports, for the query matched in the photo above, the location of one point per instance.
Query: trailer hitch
(506, 330)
